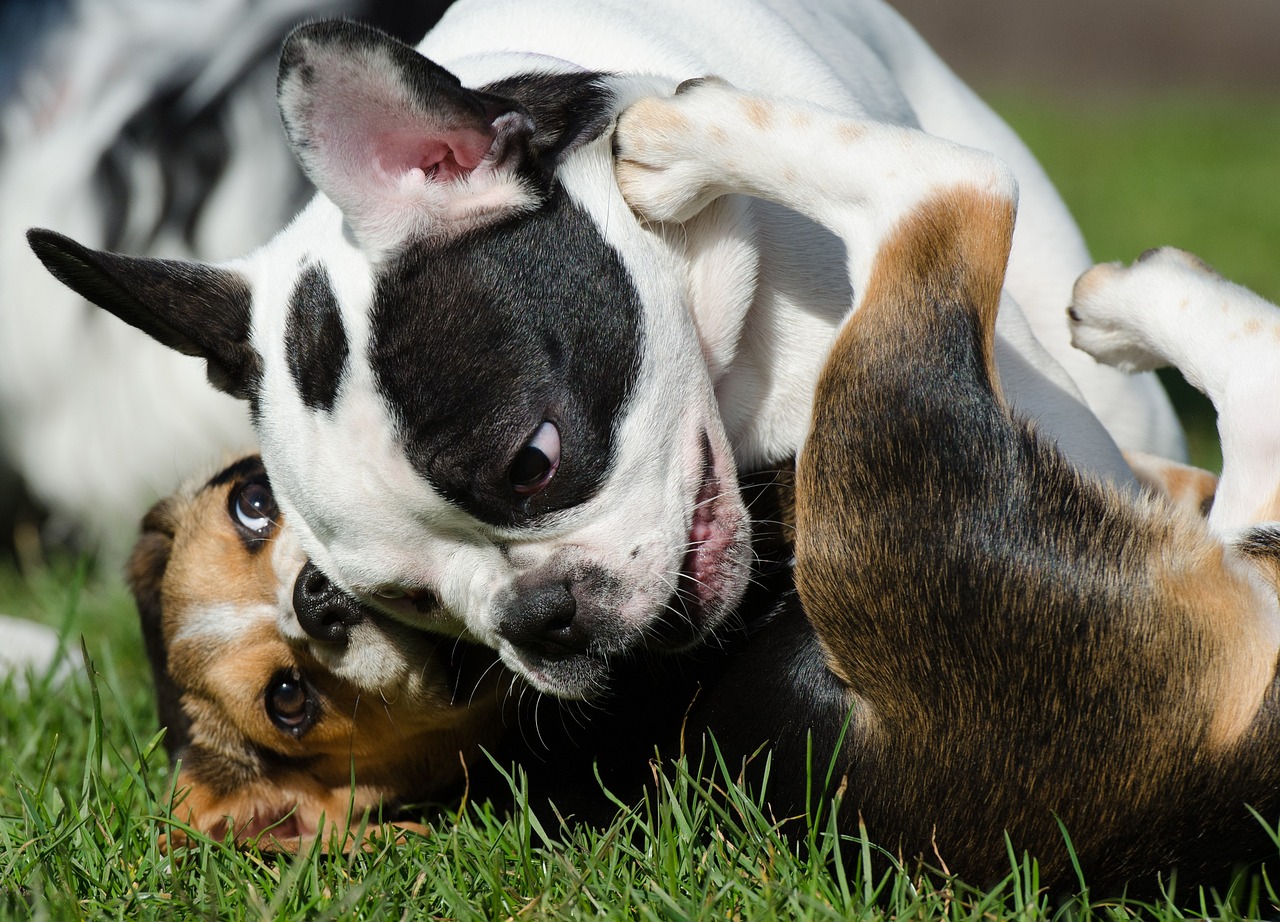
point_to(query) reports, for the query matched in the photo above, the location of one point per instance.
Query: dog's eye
(535, 464)
(254, 507)
(288, 702)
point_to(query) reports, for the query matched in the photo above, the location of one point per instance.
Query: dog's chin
(577, 677)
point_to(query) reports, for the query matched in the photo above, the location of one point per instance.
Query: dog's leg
(900, 511)
(1020, 644)
(857, 178)
(1188, 487)
(676, 155)
(1169, 308)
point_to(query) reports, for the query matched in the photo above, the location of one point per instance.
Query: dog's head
(474, 375)
(254, 653)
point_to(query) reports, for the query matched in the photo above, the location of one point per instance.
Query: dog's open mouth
(712, 572)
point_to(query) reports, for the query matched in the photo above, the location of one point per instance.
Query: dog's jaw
(645, 573)
(666, 587)
(712, 576)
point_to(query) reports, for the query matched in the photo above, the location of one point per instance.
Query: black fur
(553, 332)
(145, 575)
(315, 339)
(567, 109)
(435, 89)
(194, 308)
(242, 470)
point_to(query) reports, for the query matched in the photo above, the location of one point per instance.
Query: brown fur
(1187, 487)
(1021, 644)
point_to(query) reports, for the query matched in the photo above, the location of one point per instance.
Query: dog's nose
(323, 610)
(545, 618)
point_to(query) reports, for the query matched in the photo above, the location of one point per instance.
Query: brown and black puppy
(270, 730)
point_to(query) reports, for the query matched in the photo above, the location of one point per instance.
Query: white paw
(667, 150)
(1121, 315)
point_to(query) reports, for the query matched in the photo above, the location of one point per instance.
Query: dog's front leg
(857, 178)
(1169, 308)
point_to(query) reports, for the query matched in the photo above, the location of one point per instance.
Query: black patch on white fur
(315, 340)
(477, 340)
(566, 109)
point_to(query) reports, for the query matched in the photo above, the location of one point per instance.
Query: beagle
(269, 731)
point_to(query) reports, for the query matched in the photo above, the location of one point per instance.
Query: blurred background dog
(150, 127)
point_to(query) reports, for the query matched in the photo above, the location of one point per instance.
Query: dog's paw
(668, 150)
(1121, 314)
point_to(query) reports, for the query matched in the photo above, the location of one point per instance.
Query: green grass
(83, 806)
(83, 783)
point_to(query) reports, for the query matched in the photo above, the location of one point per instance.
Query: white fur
(98, 419)
(33, 650)
(860, 59)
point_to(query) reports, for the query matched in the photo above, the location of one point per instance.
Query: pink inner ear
(437, 157)
(393, 161)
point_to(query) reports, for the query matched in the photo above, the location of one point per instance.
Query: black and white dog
(494, 402)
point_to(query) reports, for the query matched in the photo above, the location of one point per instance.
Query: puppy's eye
(535, 464)
(254, 507)
(289, 703)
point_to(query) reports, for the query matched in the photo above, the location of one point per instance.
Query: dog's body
(1020, 645)
(984, 640)
(494, 403)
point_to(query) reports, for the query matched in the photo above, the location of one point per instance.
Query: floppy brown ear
(281, 810)
(194, 308)
(144, 573)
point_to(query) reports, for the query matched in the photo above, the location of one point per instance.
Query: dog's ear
(278, 809)
(197, 309)
(394, 140)
(145, 576)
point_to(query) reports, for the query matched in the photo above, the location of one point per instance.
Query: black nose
(323, 610)
(545, 619)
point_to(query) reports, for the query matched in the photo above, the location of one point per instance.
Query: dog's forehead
(455, 350)
(477, 341)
